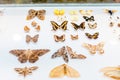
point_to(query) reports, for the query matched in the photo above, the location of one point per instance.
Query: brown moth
(59, 38)
(28, 55)
(25, 71)
(40, 14)
(26, 29)
(94, 48)
(112, 72)
(64, 70)
(34, 39)
(73, 55)
(61, 53)
(74, 37)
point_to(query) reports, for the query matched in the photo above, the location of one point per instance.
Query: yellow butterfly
(73, 12)
(59, 12)
(112, 72)
(62, 70)
(86, 12)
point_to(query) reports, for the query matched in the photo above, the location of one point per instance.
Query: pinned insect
(59, 12)
(40, 14)
(55, 26)
(92, 26)
(86, 12)
(37, 28)
(34, 39)
(91, 18)
(65, 51)
(25, 71)
(112, 72)
(73, 12)
(94, 48)
(59, 38)
(111, 12)
(76, 27)
(34, 23)
(28, 55)
(74, 37)
(94, 36)
(64, 70)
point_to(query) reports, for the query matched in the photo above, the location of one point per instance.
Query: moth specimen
(112, 72)
(64, 70)
(91, 18)
(59, 38)
(55, 26)
(59, 12)
(28, 55)
(74, 37)
(111, 12)
(40, 14)
(73, 12)
(65, 52)
(92, 26)
(86, 12)
(94, 36)
(94, 48)
(25, 71)
(34, 38)
(76, 27)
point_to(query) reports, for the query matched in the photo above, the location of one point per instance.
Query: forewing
(31, 14)
(28, 38)
(57, 72)
(64, 25)
(17, 52)
(70, 72)
(55, 26)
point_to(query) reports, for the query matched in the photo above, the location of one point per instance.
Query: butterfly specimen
(74, 37)
(64, 70)
(40, 14)
(26, 29)
(91, 18)
(55, 26)
(94, 36)
(59, 12)
(94, 48)
(25, 71)
(73, 12)
(59, 38)
(28, 55)
(73, 55)
(34, 39)
(92, 26)
(76, 27)
(65, 52)
(111, 12)
(112, 72)
(61, 53)
(37, 27)
(86, 12)
(34, 23)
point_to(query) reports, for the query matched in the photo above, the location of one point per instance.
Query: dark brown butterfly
(76, 27)
(25, 71)
(59, 38)
(73, 55)
(91, 18)
(61, 53)
(55, 26)
(94, 36)
(29, 55)
(34, 39)
(74, 37)
(40, 14)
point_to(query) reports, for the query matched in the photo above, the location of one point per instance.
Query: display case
(94, 44)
